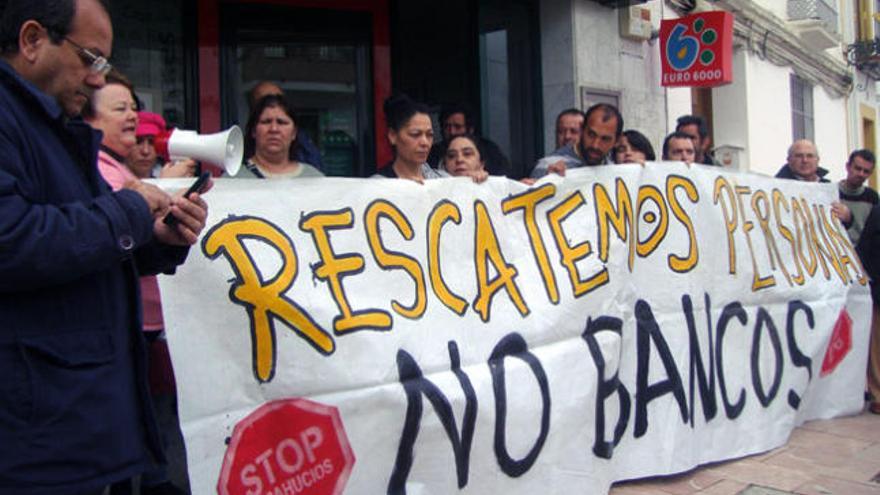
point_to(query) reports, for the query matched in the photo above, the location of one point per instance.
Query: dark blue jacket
(869, 251)
(75, 412)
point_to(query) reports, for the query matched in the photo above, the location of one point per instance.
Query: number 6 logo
(681, 51)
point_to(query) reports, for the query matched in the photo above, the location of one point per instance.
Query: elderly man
(602, 129)
(803, 165)
(75, 412)
(569, 124)
(679, 146)
(858, 197)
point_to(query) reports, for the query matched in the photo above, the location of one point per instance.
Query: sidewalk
(828, 457)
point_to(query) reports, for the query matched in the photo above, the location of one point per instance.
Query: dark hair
(268, 101)
(864, 154)
(470, 137)
(112, 77)
(454, 108)
(54, 15)
(696, 120)
(639, 142)
(570, 111)
(676, 135)
(608, 111)
(400, 108)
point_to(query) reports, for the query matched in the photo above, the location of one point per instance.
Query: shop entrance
(321, 59)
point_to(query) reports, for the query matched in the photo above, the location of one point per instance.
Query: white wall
(730, 116)
(605, 61)
(831, 132)
(678, 103)
(768, 96)
(778, 7)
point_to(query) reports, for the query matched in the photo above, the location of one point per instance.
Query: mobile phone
(197, 187)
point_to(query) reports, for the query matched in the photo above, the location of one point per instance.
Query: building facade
(802, 68)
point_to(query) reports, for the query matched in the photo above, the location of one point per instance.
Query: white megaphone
(223, 148)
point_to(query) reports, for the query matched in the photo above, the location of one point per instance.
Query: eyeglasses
(97, 64)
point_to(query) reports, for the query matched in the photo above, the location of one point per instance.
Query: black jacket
(75, 411)
(786, 173)
(869, 251)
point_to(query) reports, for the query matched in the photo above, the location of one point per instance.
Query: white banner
(373, 336)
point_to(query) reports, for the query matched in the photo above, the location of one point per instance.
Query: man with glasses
(75, 413)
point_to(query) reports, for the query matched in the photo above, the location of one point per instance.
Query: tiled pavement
(828, 457)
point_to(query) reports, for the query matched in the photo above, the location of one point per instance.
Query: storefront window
(149, 48)
(320, 59)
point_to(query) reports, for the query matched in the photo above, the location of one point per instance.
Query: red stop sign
(840, 343)
(287, 446)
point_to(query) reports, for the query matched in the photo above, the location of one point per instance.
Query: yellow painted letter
(443, 212)
(263, 296)
(390, 259)
(333, 269)
(488, 251)
(527, 201)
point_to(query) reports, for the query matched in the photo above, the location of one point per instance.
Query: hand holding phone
(197, 187)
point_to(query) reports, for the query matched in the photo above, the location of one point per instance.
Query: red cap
(150, 124)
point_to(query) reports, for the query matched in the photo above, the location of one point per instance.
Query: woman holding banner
(270, 143)
(633, 147)
(411, 135)
(464, 158)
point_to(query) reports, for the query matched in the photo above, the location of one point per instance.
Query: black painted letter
(648, 331)
(513, 345)
(606, 388)
(732, 310)
(697, 368)
(764, 320)
(797, 357)
(415, 385)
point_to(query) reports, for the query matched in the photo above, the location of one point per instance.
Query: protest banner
(383, 336)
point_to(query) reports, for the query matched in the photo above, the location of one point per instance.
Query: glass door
(320, 59)
(510, 85)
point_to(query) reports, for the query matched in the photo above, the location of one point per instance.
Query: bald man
(262, 89)
(803, 165)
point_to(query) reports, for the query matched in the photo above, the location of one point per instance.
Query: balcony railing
(865, 56)
(821, 10)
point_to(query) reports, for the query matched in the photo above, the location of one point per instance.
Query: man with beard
(602, 128)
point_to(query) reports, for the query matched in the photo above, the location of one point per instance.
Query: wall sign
(697, 50)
